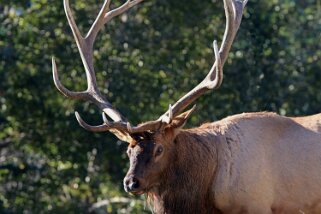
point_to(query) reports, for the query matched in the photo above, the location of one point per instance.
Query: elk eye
(159, 151)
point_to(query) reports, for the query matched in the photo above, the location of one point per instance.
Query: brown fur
(180, 190)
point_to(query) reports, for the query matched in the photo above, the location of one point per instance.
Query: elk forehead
(144, 137)
(140, 149)
(164, 137)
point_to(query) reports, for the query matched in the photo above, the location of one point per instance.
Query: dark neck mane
(187, 183)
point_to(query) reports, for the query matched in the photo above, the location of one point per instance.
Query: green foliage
(144, 60)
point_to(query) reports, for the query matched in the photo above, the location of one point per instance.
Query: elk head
(151, 146)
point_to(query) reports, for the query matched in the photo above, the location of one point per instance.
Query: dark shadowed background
(145, 59)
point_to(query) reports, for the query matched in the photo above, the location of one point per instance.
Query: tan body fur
(265, 163)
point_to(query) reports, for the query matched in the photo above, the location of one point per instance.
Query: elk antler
(233, 12)
(85, 47)
(213, 80)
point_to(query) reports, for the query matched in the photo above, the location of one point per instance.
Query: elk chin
(139, 191)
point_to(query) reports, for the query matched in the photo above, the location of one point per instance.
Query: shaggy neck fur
(187, 183)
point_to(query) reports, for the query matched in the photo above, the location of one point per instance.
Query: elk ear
(179, 121)
(122, 135)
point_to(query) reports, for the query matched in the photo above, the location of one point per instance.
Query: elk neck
(186, 185)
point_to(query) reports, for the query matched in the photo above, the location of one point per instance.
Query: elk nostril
(135, 184)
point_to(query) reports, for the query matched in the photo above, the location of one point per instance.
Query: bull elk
(246, 163)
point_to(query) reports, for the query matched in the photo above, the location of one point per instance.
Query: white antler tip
(53, 62)
(77, 115)
(215, 47)
(190, 111)
(245, 2)
(105, 118)
(214, 43)
(170, 112)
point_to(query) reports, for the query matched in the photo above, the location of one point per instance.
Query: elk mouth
(142, 190)
(138, 192)
(147, 190)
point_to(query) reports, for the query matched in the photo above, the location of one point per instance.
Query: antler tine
(120, 125)
(79, 41)
(106, 126)
(72, 23)
(105, 15)
(213, 80)
(99, 22)
(61, 88)
(85, 52)
(129, 4)
(233, 13)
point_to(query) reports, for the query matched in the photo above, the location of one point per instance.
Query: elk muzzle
(133, 185)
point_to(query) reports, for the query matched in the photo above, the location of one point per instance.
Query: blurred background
(144, 59)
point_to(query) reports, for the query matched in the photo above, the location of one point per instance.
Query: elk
(247, 163)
